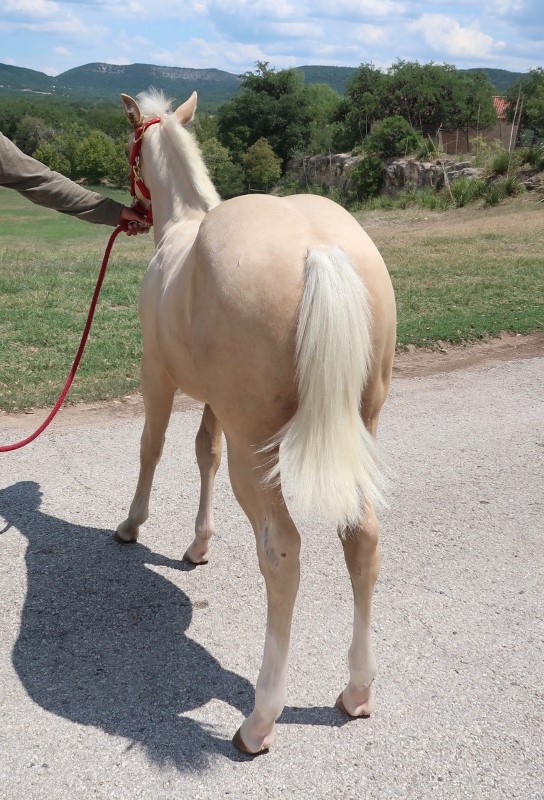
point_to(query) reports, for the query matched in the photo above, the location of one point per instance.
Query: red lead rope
(136, 181)
(8, 447)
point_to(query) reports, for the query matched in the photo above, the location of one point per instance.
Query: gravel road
(123, 673)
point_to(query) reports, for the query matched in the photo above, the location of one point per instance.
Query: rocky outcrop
(333, 171)
(408, 173)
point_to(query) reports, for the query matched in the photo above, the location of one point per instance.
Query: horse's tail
(328, 454)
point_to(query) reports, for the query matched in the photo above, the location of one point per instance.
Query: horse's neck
(170, 210)
(178, 200)
(186, 193)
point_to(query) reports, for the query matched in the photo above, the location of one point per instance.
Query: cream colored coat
(279, 315)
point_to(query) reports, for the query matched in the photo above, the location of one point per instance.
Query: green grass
(466, 275)
(49, 264)
(459, 274)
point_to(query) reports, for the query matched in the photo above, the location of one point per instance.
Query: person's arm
(51, 189)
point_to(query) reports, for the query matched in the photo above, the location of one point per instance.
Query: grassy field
(49, 264)
(465, 273)
(460, 274)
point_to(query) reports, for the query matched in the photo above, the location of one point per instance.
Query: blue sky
(55, 35)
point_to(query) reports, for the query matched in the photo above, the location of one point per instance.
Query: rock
(333, 171)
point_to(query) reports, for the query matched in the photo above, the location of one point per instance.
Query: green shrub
(366, 177)
(262, 167)
(494, 193)
(407, 198)
(510, 185)
(500, 163)
(466, 190)
(288, 184)
(383, 202)
(535, 157)
(393, 136)
(484, 151)
(433, 200)
(428, 150)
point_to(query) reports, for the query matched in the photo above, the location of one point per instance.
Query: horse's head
(165, 158)
(141, 121)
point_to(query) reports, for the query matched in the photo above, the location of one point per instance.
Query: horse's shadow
(103, 641)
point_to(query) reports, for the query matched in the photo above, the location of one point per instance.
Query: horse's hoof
(341, 707)
(198, 561)
(123, 536)
(119, 540)
(188, 560)
(240, 745)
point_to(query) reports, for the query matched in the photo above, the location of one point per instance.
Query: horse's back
(248, 263)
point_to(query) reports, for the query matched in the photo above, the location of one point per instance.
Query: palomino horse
(279, 315)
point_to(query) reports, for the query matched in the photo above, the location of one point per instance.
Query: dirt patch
(444, 357)
(408, 364)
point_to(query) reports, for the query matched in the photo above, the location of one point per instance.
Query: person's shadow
(102, 640)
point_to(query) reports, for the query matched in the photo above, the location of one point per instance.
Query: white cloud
(448, 37)
(368, 34)
(296, 30)
(268, 9)
(357, 9)
(503, 6)
(62, 51)
(30, 8)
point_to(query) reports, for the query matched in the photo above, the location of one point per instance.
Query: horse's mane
(153, 103)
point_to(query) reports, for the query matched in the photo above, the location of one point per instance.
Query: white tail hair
(327, 453)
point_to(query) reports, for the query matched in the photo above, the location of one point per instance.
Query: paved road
(123, 674)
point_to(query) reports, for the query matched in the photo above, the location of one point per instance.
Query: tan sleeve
(41, 185)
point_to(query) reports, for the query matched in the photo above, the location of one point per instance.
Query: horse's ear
(186, 112)
(132, 110)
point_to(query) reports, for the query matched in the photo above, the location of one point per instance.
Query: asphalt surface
(124, 674)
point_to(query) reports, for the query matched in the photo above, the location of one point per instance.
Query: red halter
(136, 180)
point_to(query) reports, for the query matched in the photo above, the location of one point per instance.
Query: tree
(262, 167)
(227, 176)
(393, 136)
(118, 169)
(49, 155)
(31, 132)
(530, 90)
(205, 128)
(270, 104)
(362, 104)
(366, 177)
(322, 105)
(95, 154)
(425, 95)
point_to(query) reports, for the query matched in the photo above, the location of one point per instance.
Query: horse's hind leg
(158, 394)
(208, 453)
(361, 552)
(362, 556)
(278, 548)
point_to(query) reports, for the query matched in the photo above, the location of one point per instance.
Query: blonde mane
(200, 191)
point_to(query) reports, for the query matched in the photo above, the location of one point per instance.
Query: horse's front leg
(208, 445)
(278, 549)
(158, 395)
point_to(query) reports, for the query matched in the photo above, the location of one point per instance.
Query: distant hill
(501, 79)
(106, 82)
(336, 77)
(15, 80)
(214, 86)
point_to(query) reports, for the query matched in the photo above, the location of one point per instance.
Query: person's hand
(135, 221)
